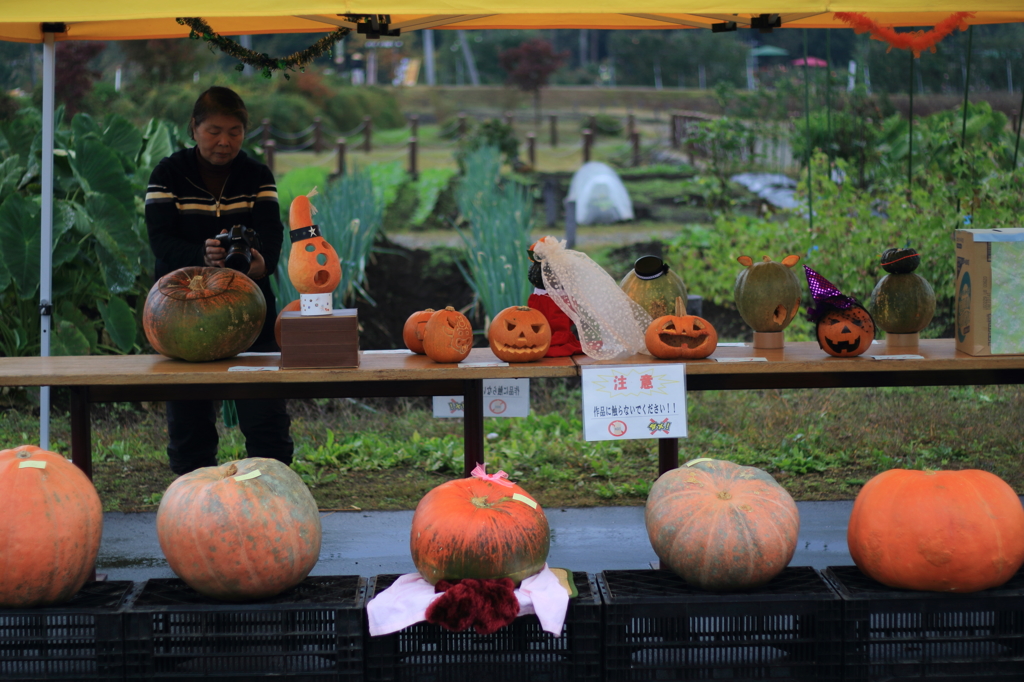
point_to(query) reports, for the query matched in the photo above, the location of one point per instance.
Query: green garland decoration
(199, 29)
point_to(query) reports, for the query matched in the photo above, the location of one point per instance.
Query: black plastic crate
(904, 634)
(78, 640)
(313, 631)
(520, 652)
(659, 628)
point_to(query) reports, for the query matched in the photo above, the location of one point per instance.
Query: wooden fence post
(318, 135)
(268, 153)
(554, 130)
(462, 125)
(531, 149)
(340, 144)
(414, 125)
(412, 158)
(587, 140)
(675, 132)
(367, 132)
(265, 135)
(635, 141)
(630, 125)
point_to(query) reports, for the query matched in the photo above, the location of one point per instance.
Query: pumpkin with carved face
(672, 337)
(845, 333)
(519, 334)
(313, 264)
(447, 336)
(412, 331)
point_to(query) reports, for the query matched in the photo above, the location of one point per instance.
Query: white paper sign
(502, 398)
(634, 401)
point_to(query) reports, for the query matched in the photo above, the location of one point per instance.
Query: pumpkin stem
(680, 307)
(232, 470)
(196, 283)
(724, 495)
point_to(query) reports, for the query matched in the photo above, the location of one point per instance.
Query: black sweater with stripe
(181, 214)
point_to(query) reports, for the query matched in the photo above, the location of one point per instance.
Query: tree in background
(530, 65)
(74, 76)
(167, 61)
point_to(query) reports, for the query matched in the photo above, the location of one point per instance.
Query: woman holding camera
(194, 195)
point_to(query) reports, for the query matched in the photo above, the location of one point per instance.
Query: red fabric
(563, 341)
(915, 41)
(486, 605)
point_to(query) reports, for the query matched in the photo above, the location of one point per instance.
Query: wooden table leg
(473, 423)
(81, 429)
(668, 454)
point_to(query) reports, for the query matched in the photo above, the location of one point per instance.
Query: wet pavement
(373, 543)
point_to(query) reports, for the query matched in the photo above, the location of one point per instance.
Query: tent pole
(967, 89)
(910, 140)
(1020, 123)
(46, 230)
(807, 114)
(828, 91)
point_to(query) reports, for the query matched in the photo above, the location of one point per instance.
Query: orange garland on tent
(915, 41)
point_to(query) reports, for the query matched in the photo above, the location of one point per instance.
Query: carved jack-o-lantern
(412, 332)
(313, 264)
(681, 336)
(519, 334)
(448, 336)
(845, 333)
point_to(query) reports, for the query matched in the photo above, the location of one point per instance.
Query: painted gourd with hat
(654, 286)
(903, 302)
(844, 327)
(313, 265)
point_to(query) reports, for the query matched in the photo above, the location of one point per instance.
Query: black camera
(238, 242)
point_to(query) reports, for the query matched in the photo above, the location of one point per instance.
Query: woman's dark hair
(218, 100)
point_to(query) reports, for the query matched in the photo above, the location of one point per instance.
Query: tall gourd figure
(313, 265)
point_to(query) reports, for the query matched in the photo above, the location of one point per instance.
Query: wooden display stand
(769, 340)
(312, 341)
(902, 341)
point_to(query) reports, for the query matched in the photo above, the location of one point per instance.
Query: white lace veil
(610, 324)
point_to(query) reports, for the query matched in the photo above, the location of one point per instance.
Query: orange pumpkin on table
(448, 336)
(412, 331)
(846, 333)
(680, 336)
(313, 264)
(519, 334)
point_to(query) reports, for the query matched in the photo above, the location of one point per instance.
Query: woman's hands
(214, 258)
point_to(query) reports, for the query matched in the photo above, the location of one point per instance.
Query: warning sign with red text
(634, 401)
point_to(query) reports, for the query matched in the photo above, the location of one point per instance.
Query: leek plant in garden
(500, 217)
(349, 214)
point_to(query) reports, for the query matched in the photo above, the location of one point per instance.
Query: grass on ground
(385, 454)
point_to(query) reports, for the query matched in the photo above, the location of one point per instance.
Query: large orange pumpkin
(241, 531)
(519, 334)
(942, 531)
(412, 331)
(480, 528)
(200, 314)
(50, 534)
(313, 264)
(721, 526)
(448, 336)
(685, 337)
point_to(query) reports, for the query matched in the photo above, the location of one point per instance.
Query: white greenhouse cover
(599, 194)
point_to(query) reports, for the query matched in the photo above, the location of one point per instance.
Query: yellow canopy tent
(121, 20)
(48, 21)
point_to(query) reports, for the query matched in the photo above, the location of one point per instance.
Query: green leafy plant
(490, 133)
(500, 217)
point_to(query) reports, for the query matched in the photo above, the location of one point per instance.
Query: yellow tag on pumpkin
(525, 500)
(32, 464)
(246, 477)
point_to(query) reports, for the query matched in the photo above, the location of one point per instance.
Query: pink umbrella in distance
(811, 61)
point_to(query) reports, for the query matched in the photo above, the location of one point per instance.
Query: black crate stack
(904, 634)
(520, 652)
(78, 640)
(659, 628)
(312, 632)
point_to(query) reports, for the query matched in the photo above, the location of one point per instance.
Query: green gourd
(767, 294)
(902, 302)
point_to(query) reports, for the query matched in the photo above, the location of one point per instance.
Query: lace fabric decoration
(610, 324)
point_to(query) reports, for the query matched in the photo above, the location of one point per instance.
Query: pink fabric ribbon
(500, 478)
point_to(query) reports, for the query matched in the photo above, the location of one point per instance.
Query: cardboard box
(990, 291)
(313, 341)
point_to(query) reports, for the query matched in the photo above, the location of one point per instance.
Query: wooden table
(112, 378)
(105, 378)
(805, 365)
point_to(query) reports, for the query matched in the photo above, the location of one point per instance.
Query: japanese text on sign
(502, 398)
(630, 402)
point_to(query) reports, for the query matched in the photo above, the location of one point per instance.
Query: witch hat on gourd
(825, 296)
